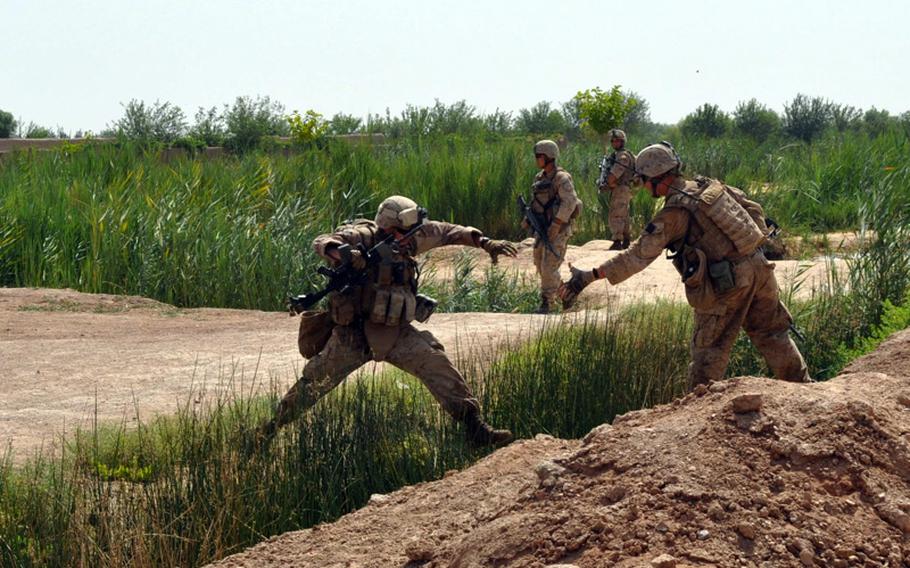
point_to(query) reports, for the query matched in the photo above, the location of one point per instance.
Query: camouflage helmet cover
(657, 159)
(548, 148)
(617, 134)
(398, 212)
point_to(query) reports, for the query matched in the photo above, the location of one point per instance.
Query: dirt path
(659, 280)
(65, 355)
(751, 472)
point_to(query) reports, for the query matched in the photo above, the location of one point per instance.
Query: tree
(806, 118)
(602, 111)
(638, 119)
(159, 122)
(876, 122)
(37, 131)
(249, 120)
(456, 118)
(344, 124)
(7, 124)
(845, 117)
(541, 119)
(498, 122)
(706, 121)
(307, 128)
(755, 120)
(209, 127)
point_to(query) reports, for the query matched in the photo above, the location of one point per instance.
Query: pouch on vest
(722, 276)
(343, 307)
(425, 308)
(393, 306)
(699, 292)
(315, 331)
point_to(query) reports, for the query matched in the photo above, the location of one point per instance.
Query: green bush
(7, 124)
(807, 118)
(249, 120)
(706, 121)
(158, 122)
(753, 119)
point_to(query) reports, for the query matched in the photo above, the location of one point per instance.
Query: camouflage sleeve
(752, 208)
(667, 226)
(622, 169)
(323, 243)
(568, 199)
(439, 234)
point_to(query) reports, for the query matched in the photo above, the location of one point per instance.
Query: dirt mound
(749, 472)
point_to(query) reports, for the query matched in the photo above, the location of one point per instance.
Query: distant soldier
(557, 205)
(371, 321)
(618, 182)
(715, 236)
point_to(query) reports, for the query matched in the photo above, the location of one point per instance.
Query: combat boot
(544, 307)
(617, 245)
(625, 243)
(479, 433)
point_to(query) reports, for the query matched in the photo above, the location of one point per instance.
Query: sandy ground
(66, 357)
(749, 472)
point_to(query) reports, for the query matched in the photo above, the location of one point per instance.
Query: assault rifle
(344, 276)
(606, 164)
(536, 224)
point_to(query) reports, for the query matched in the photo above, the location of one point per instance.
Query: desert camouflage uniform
(357, 340)
(621, 196)
(753, 304)
(557, 200)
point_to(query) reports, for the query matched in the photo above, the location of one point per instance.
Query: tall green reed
(237, 231)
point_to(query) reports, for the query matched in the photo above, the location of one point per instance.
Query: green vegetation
(236, 232)
(186, 490)
(495, 290)
(7, 124)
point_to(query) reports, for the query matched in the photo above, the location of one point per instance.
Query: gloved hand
(553, 231)
(570, 289)
(496, 248)
(358, 261)
(524, 224)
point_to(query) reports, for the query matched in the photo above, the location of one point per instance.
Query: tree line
(248, 121)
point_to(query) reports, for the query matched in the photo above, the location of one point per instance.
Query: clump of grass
(494, 290)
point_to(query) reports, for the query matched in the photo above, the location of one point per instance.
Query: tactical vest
(388, 295)
(722, 227)
(546, 196)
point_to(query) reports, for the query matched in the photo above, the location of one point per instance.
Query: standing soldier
(371, 320)
(715, 235)
(618, 182)
(557, 205)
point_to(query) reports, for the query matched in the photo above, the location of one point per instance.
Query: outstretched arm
(436, 234)
(667, 227)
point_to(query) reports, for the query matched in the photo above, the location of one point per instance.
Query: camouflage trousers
(618, 219)
(755, 306)
(416, 352)
(547, 264)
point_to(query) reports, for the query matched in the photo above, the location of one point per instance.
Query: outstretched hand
(496, 248)
(570, 289)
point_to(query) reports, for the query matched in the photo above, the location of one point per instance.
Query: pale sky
(71, 63)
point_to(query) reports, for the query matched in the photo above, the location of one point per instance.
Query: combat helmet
(656, 160)
(399, 212)
(617, 134)
(548, 148)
